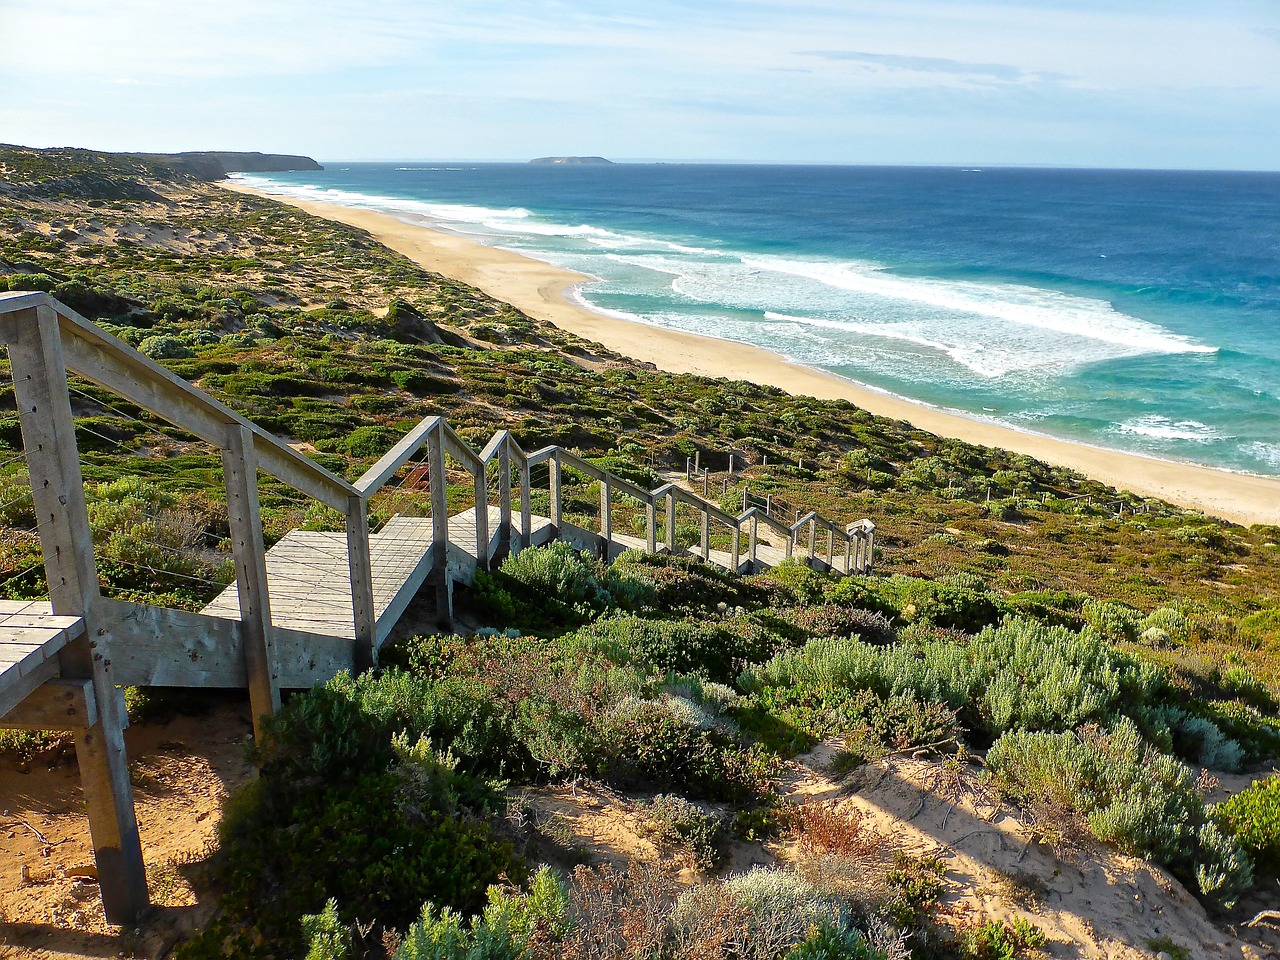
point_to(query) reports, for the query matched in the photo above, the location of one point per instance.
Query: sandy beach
(544, 291)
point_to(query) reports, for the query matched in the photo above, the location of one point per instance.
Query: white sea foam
(1268, 453)
(1159, 427)
(1036, 307)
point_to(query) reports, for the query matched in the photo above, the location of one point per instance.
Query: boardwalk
(314, 604)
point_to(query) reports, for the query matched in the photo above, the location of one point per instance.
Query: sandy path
(543, 291)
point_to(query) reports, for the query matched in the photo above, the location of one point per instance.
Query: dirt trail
(50, 908)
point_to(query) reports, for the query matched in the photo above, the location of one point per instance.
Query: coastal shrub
(368, 441)
(349, 806)
(831, 942)
(662, 744)
(1252, 816)
(1130, 794)
(713, 649)
(1001, 940)
(1020, 675)
(701, 833)
(758, 915)
(836, 620)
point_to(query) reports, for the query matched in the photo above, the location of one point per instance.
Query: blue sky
(1178, 83)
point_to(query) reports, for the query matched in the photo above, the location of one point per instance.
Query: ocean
(1135, 310)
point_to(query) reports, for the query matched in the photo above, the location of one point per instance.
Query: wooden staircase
(314, 604)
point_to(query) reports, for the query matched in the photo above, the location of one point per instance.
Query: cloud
(1000, 72)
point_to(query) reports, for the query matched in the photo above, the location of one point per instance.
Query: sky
(1124, 83)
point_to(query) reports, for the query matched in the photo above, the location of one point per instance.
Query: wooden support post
(731, 464)
(606, 518)
(504, 500)
(831, 548)
(706, 535)
(768, 504)
(735, 549)
(705, 476)
(440, 527)
(671, 523)
(724, 490)
(240, 473)
(755, 536)
(526, 506)
(744, 498)
(481, 484)
(848, 556)
(697, 461)
(361, 567)
(57, 487)
(791, 543)
(813, 538)
(553, 491)
(650, 526)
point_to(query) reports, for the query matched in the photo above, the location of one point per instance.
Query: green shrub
(1131, 795)
(352, 803)
(368, 441)
(678, 821)
(1020, 675)
(831, 942)
(1252, 816)
(998, 940)
(714, 650)
(328, 938)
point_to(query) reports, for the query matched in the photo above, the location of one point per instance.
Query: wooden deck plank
(30, 638)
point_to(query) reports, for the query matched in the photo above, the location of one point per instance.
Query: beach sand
(544, 291)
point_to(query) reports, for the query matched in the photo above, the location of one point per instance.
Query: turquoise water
(1137, 310)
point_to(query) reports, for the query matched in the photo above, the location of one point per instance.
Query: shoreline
(546, 292)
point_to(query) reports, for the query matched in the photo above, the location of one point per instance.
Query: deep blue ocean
(1137, 310)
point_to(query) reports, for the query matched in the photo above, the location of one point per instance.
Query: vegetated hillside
(1097, 656)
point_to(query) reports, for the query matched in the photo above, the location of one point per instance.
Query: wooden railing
(128, 643)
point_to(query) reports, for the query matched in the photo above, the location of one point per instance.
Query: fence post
(706, 534)
(440, 525)
(705, 476)
(848, 553)
(504, 499)
(671, 522)
(553, 491)
(735, 550)
(244, 520)
(755, 534)
(481, 484)
(360, 564)
(57, 487)
(606, 517)
(831, 547)
(731, 464)
(526, 506)
(650, 526)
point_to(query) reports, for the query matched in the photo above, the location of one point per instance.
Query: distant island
(572, 161)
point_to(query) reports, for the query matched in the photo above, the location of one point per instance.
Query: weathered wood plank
(54, 705)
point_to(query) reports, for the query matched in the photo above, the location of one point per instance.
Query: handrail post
(650, 526)
(439, 526)
(706, 534)
(244, 519)
(480, 482)
(831, 547)
(871, 549)
(504, 500)
(813, 538)
(671, 522)
(360, 563)
(791, 543)
(735, 551)
(848, 555)
(38, 362)
(553, 491)
(526, 506)
(755, 536)
(606, 517)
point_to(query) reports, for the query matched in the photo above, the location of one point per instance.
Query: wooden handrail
(96, 355)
